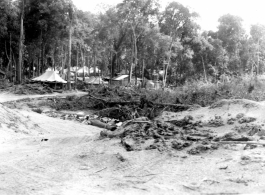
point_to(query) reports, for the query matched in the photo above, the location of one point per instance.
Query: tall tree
(177, 22)
(231, 33)
(139, 15)
(201, 46)
(20, 60)
(9, 36)
(257, 47)
(70, 12)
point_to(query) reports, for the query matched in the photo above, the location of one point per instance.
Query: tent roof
(94, 80)
(86, 70)
(121, 77)
(82, 69)
(50, 76)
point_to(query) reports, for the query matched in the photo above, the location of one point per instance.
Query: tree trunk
(76, 67)
(165, 74)
(83, 63)
(95, 63)
(63, 60)
(131, 66)
(20, 59)
(53, 60)
(111, 76)
(42, 57)
(10, 54)
(89, 66)
(257, 73)
(204, 70)
(116, 48)
(166, 65)
(130, 71)
(15, 68)
(69, 56)
(135, 77)
(143, 74)
(113, 64)
(33, 62)
(126, 68)
(38, 67)
(135, 56)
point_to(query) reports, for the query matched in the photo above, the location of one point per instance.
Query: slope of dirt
(43, 155)
(238, 111)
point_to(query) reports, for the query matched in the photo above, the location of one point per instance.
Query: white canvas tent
(95, 81)
(123, 80)
(86, 70)
(50, 76)
(96, 70)
(83, 69)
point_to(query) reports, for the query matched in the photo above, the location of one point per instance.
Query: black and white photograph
(132, 97)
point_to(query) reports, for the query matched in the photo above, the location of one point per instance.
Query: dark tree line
(135, 36)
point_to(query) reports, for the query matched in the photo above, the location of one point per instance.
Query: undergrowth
(199, 92)
(205, 94)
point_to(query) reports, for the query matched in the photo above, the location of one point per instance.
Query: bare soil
(44, 155)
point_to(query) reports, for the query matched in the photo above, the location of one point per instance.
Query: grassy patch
(238, 88)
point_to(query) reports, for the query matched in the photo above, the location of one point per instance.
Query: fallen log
(110, 103)
(242, 142)
(100, 99)
(100, 124)
(121, 131)
(113, 134)
(177, 106)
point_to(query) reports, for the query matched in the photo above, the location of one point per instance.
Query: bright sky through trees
(251, 11)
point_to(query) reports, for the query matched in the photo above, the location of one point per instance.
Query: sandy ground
(42, 155)
(4, 97)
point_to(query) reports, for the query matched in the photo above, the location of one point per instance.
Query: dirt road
(42, 155)
(4, 97)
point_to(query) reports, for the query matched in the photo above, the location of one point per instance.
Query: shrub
(204, 94)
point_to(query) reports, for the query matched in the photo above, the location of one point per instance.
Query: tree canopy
(132, 37)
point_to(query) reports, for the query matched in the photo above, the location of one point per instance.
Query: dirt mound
(250, 129)
(69, 154)
(238, 102)
(142, 134)
(13, 122)
(231, 112)
(194, 131)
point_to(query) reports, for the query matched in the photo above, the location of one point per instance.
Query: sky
(251, 11)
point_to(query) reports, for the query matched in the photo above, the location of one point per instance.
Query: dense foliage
(133, 36)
